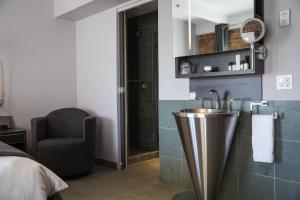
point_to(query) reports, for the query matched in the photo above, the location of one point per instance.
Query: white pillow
(25, 179)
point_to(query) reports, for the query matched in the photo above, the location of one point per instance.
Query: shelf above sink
(220, 74)
(220, 60)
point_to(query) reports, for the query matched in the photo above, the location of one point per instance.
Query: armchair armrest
(38, 133)
(89, 129)
(89, 133)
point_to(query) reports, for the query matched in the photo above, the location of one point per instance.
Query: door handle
(143, 85)
(121, 90)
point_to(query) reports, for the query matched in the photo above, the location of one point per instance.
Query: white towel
(263, 134)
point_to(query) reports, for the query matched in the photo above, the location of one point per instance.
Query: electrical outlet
(284, 82)
(280, 83)
(192, 95)
(288, 82)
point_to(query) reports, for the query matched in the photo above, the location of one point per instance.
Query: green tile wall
(244, 179)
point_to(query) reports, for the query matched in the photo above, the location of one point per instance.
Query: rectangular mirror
(215, 25)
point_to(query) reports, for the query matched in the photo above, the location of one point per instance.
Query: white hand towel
(263, 133)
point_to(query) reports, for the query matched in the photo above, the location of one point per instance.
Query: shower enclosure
(141, 82)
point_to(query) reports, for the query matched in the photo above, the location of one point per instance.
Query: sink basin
(202, 112)
(206, 136)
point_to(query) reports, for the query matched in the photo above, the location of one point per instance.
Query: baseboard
(108, 163)
(143, 157)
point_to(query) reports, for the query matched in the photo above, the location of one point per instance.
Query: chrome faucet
(200, 99)
(230, 102)
(217, 97)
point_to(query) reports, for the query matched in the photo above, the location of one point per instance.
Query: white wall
(239, 18)
(97, 78)
(4, 110)
(79, 9)
(64, 6)
(180, 39)
(39, 56)
(205, 27)
(169, 87)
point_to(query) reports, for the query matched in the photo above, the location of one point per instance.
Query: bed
(22, 178)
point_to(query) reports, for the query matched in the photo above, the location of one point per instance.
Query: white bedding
(24, 179)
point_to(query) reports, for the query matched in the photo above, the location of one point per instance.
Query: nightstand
(15, 137)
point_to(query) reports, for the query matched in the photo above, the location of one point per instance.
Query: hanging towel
(263, 133)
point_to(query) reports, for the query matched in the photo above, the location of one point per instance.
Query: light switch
(280, 82)
(288, 82)
(284, 82)
(192, 95)
(285, 18)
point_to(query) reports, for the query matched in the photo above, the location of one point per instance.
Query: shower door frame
(122, 78)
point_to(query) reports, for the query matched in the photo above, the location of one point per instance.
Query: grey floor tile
(186, 195)
(170, 143)
(229, 186)
(186, 179)
(244, 126)
(253, 187)
(286, 190)
(288, 126)
(233, 155)
(166, 107)
(170, 170)
(288, 160)
(139, 181)
(246, 165)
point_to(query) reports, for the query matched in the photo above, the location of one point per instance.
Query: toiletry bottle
(234, 66)
(238, 62)
(230, 66)
(247, 63)
(242, 65)
(238, 66)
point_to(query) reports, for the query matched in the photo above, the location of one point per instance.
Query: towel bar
(263, 104)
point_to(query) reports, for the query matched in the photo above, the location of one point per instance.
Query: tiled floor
(138, 182)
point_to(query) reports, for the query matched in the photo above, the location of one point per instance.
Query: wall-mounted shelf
(219, 60)
(223, 73)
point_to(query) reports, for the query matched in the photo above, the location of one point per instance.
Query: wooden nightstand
(15, 137)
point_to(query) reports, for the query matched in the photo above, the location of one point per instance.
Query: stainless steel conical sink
(206, 136)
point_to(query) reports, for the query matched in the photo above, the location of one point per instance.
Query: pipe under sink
(206, 136)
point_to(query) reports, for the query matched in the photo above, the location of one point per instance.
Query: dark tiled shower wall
(143, 67)
(244, 179)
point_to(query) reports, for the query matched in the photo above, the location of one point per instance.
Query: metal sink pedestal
(206, 136)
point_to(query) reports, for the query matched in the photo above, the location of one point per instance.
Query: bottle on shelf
(230, 66)
(238, 62)
(242, 65)
(234, 66)
(247, 63)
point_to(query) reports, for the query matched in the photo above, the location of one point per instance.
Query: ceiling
(142, 9)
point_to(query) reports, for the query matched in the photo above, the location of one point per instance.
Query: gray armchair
(64, 141)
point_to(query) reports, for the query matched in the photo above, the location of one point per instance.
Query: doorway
(140, 62)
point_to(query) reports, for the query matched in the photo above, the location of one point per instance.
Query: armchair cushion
(67, 152)
(60, 143)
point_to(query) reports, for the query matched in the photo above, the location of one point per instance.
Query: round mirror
(253, 30)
